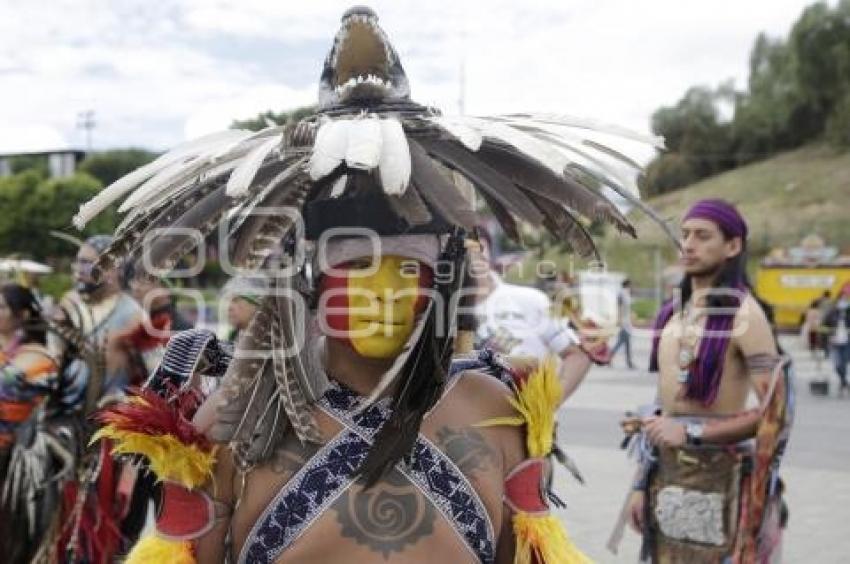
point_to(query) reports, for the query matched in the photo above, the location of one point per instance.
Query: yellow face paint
(382, 306)
(373, 307)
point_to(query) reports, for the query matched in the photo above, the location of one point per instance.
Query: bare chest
(397, 519)
(734, 385)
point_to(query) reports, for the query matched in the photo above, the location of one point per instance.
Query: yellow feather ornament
(169, 458)
(540, 539)
(152, 549)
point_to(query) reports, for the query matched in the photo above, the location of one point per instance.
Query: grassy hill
(783, 199)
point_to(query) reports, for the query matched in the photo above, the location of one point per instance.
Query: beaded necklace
(688, 343)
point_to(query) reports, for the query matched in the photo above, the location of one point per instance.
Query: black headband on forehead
(369, 211)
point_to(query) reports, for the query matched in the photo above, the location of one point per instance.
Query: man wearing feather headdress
(345, 430)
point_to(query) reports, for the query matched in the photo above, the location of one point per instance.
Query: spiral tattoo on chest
(386, 518)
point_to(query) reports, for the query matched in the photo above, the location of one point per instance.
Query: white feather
(546, 153)
(470, 137)
(576, 142)
(267, 132)
(339, 186)
(144, 200)
(116, 190)
(120, 187)
(582, 123)
(329, 148)
(241, 179)
(364, 143)
(169, 175)
(600, 164)
(394, 165)
(179, 187)
(155, 190)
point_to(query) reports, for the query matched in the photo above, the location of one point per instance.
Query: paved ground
(816, 468)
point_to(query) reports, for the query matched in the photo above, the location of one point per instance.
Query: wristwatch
(693, 433)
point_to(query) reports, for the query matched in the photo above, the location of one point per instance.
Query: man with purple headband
(707, 489)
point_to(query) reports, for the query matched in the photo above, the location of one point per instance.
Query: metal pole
(86, 121)
(659, 289)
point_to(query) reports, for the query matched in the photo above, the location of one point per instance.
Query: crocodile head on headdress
(362, 65)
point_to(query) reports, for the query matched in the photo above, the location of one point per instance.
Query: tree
(109, 166)
(23, 163)
(15, 192)
(269, 117)
(699, 141)
(820, 40)
(798, 91)
(30, 207)
(766, 116)
(666, 173)
(838, 124)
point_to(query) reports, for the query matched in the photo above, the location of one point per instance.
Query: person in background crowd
(811, 333)
(244, 295)
(97, 365)
(27, 373)
(516, 321)
(624, 336)
(824, 305)
(155, 296)
(101, 312)
(837, 323)
(149, 338)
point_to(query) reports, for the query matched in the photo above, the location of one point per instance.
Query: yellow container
(791, 288)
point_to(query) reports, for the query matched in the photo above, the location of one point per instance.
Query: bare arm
(507, 442)
(575, 365)
(211, 547)
(754, 342)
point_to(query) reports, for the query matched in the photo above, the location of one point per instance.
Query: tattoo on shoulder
(386, 518)
(467, 448)
(763, 362)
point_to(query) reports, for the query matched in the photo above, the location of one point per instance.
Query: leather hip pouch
(694, 503)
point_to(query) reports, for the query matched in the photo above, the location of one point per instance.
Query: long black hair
(21, 301)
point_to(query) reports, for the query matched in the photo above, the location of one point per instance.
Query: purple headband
(723, 214)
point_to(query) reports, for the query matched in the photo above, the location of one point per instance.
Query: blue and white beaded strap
(306, 496)
(448, 488)
(430, 470)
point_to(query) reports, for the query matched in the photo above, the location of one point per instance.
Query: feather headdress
(545, 170)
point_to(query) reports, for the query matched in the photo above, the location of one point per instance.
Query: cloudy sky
(158, 72)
